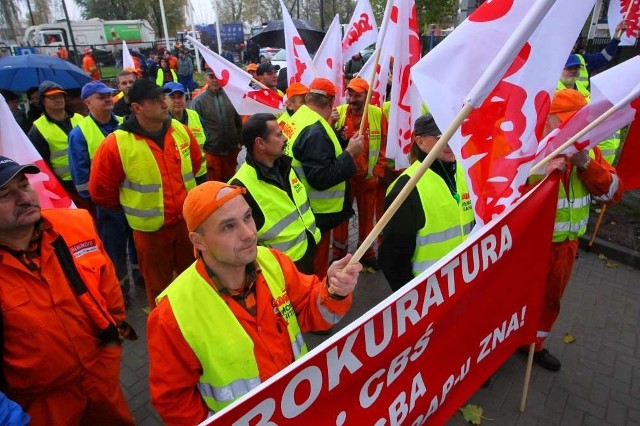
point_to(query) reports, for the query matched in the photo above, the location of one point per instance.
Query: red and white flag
(235, 83)
(617, 11)
(504, 60)
(385, 42)
(630, 156)
(361, 32)
(14, 144)
(328, 59)
(613, 87)
(299, 63)
(127, 60)
(405, 105)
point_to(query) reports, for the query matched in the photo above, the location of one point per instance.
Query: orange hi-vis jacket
(49, 338)
(107, 173)
(174, 368)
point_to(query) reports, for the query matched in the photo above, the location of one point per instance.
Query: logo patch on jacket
(84, 247)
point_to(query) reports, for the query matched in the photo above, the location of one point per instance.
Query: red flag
(14, 144)
(630, 156)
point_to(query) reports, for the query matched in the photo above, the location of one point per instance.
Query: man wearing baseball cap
(370, 166)
(584, 175)
(49, 135)
(268, 75)
(176, 103)
(321, 163)
(235, 317)
(146, 167)
(62, 310)
(296, 93)
(222, 126)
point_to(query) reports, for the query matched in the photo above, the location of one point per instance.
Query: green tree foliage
(9, 20)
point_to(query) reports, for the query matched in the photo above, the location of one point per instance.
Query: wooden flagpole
(527, 377)
(363, 121)
(626, 15)
(597, 226)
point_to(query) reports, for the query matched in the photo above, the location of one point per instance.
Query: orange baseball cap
(566, 103)
(358, 85)
(322, 86)
(252, 67)
(297, 89)
(203, 200)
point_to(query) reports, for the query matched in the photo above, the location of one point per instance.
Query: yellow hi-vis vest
(584, 74)
(195, 125)
(225, 350)
(572, 211)
(141, 193)
(92, 134)
(609, 146)
(330, 200)
(447, 223)
(160, 77)
(285, 221)
(374, 116)
(58, 142)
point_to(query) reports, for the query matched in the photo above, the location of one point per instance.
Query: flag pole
(626, 15)
(537, 169)
(597, 227)
(487, 81)
(527, 378)
(370, 91)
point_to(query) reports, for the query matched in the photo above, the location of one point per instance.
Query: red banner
(421, 353)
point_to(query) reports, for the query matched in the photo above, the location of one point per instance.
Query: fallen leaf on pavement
(611, 264)
(472, 414)
(568, 338)
(602, 256)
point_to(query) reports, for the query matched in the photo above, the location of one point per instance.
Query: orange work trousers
(321, 258)
(222, 167)
(563, 257)
(162, 255)
(96, 399)
(365, 192)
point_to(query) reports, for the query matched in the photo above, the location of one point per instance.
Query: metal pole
(164, 25)
(30, 13)
(218, 27)
(193, 33)
(322, 14)
(76, 55)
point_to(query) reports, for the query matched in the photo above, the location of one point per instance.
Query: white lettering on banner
(399, 410)
(379, 333)
(499, 334)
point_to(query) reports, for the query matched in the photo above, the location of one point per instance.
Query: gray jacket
(221, 122)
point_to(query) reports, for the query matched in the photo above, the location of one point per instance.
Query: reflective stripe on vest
(374, 133)
(609, 147)
(285, 220)
(195, 125)
(58, 142)
(141, 193)
(447, 223)
(207, 324)
(92, 133)
(584, 74)
(328, 201)
(572, 213)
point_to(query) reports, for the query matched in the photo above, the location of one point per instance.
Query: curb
(615, 252)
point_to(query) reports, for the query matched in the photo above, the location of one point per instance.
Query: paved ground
(599, 383)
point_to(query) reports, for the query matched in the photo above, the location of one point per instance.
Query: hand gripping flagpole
(538, 168)
(626, 15)
(478, 93)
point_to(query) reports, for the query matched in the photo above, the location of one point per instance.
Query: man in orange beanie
(585, 175)
(235, 317)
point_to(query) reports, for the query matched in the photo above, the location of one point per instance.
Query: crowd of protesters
(236, 226)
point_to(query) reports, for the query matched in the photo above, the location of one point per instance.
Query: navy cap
(174, 87)
(9, 169)
(145, 89)
(94, 87)
(573, 61)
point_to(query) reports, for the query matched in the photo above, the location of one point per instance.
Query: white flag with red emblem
(15, 145)
(613, 87)
(497, 142)
(618, 9)
(404, 101)
(235, 83)
(299, 63)
(361, 32)
(328, 59)
(127, 60)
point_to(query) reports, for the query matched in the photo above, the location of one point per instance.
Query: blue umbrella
(19, 73)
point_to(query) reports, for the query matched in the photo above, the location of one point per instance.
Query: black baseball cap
(145, 89)
(426, 126)
(267, 67)
(9, 169)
